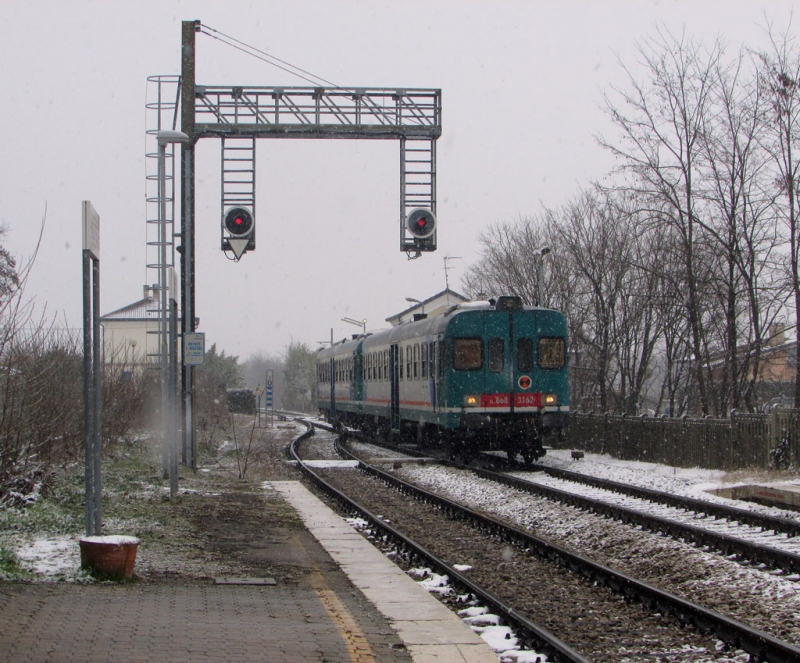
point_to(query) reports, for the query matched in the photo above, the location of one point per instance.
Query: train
(481, 376)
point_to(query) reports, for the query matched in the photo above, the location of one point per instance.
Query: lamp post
(542, 253)
(411, 300)
(358, 323)
(169, 447)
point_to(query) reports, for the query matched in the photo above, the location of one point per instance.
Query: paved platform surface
(329, 615)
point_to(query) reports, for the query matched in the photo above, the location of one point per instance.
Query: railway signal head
(238, 221)
(421, 223)
(238, 230)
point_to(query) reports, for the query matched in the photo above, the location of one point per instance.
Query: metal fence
(743, 440)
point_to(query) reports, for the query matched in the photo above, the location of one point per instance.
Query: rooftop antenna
(446, 280)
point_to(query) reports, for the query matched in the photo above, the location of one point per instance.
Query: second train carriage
(484, 375)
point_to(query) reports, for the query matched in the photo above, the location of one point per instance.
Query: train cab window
(497, 351)
(552, 352)
(424, 361)
(525, 355)
(467, 354)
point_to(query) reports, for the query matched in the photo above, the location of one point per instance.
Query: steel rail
(759, 645)
(780, 524)
(726, 544)
(529, 633)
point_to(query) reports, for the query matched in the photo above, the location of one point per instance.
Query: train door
(432, 348)
(524, 379)
(394, 387)
(498, 370)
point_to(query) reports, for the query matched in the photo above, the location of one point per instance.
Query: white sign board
(91, 230)
(194, 349)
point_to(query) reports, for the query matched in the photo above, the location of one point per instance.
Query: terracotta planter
(109, 557)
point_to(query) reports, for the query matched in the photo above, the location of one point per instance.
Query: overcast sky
(521, 85)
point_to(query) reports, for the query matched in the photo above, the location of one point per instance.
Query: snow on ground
(56, 558)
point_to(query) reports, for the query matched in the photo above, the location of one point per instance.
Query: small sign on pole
(194, 349)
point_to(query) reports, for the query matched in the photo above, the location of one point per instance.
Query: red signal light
(421, 223)
(238, 221)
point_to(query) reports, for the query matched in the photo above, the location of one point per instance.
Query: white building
(435, 305)
(130, 334)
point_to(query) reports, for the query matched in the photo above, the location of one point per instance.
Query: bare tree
(779, 79)
(661, 123)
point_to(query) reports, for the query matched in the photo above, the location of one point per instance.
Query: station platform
(782, 495)
(350, 604)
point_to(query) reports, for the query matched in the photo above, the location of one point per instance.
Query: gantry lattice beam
(315, 112)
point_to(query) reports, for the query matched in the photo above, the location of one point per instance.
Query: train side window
(552, 352)
(442, 357)
(386, 365)
(497, 351)
(408, 362)
(424, 361)
(432, 358)
(525, 355)
(416, 361)
(369, 367)
(467, 354)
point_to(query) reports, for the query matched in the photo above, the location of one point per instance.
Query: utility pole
(186, 248)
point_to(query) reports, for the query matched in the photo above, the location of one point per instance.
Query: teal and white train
(483, 375)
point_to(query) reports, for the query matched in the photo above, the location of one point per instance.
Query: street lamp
(169, 447)
(358, 323)
(542, 253)
(411, 300)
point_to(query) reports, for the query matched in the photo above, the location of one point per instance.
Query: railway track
(759, 645)
(753, 537)
(529, 634)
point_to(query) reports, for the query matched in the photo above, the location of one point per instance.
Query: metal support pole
(88, 394)
(188, 30)
(162, 305)
(173, 382)
(98, 395)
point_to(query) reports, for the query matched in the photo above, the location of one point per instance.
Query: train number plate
(528, 400)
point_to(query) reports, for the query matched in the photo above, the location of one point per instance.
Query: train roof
(422, 326)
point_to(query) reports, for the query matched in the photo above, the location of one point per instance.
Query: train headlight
(550, 400)
(470, 401)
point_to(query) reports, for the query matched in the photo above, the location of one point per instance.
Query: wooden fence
(743, 440)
